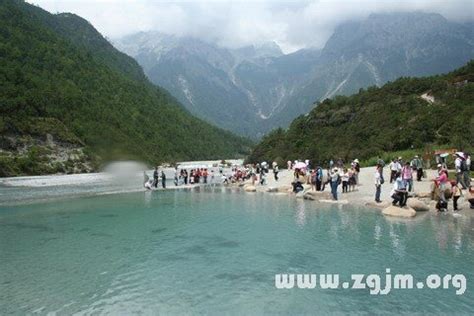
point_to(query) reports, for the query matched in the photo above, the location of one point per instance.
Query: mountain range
(254, 89)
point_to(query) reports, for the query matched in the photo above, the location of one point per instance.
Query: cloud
(292, 24)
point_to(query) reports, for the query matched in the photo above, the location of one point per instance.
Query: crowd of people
(257, 173)
(454, 189)
(403, 175)
(336, 174)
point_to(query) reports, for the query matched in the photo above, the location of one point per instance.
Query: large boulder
(317, 195)
(271, 189)
(380, 205)
(335, 201)
(285, 188)
(250, 188)
(423, 194)
(300, 195)
(399, 211)
(418, 205)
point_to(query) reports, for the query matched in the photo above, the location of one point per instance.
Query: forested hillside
(62, 84)
(407, 113)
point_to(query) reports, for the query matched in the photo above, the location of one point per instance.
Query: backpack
(463, 165)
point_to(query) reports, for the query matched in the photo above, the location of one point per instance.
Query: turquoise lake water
(216, 251)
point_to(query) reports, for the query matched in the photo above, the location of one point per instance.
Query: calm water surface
(213, 251)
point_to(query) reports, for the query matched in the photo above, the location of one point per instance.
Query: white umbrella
(300, 165)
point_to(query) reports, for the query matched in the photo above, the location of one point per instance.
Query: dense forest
(404, 114)
(61, 81)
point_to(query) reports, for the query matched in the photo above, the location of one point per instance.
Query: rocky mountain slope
(254, 89)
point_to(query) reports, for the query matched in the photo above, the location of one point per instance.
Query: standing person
(176, 176)
(457, 192)
(288, 164)
(319, 178)
(155, 177)
(460, 166)
(205, 174)
(335, 178)
(378, 183)
(191, 176)
(467, 170)
(345, 180)
(331, 164)
(393, 170)
(197, 175)
(352, 181)
(262, 176)
(441, 181)
(163, 179)
(418, 166)
(381, 164)
(407, 176)
(357, 170)
(275, 171)
(313, 179)
(185, 176)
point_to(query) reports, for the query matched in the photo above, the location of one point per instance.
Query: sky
(291, 24)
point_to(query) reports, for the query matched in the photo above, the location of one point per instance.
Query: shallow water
(213, 251)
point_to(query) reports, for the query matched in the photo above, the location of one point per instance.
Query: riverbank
(363, 195)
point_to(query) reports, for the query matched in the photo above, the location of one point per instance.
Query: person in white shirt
(460, 166)
(378, 184)
(345, 181)
(467, 172)
(399, 192)
(394, 168)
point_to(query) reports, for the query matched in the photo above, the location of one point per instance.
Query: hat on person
(356, 160)
(439, 165)
(335, 170)
(416, 156)
(400, 158)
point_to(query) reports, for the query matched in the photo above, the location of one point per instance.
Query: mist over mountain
(252, 90)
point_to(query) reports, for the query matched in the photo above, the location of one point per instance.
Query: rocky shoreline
(419, 201)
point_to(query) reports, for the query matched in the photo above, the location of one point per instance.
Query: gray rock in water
(418, 205)
(317, 195)
(397, 211)
(250, 188)
(272, 189)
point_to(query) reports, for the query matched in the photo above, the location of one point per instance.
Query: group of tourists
(181, 176)
(454, 189)
(402, 175)
(336, 174)
(194, 176)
